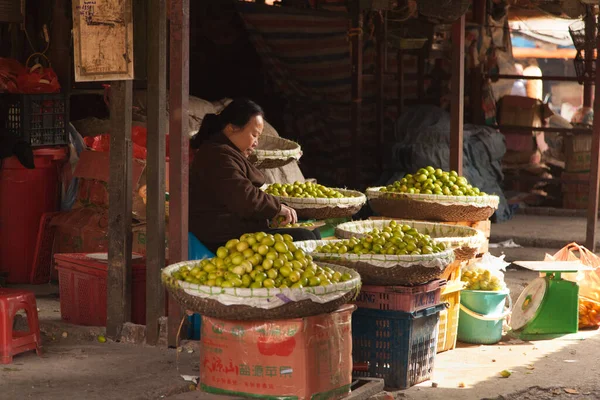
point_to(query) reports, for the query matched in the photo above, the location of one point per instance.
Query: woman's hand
(289, 215)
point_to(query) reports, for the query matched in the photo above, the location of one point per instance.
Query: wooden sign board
(103, 40)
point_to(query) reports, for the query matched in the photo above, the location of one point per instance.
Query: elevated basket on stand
(275, 152)
(465, 241)
(326, 208)
(264, 304)
(380, 269)
(430, 207)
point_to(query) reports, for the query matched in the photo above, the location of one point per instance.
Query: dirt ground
(75, 365)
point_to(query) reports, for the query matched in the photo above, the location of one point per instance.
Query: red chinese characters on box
(300, 357)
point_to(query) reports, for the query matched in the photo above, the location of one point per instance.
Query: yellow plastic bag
(588, 281)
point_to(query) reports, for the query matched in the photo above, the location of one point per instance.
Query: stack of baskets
(464, 241)
(395, 328)
(460, 211)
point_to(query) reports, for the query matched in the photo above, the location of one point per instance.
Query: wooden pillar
(400, 70)
(155, 166)
(590, 31)
(477, 115)
(179, 145)
(380, 79)
(357, 86)
(458, 95)
(60, 50)
(592, 214)
(119, 209)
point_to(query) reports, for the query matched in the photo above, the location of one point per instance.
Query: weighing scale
(549, 306)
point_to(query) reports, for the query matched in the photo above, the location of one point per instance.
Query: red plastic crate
(401, 298)
(82, 287)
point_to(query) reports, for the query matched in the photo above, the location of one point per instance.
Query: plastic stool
(15, 342)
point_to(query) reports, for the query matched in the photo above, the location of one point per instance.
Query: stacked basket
(464, 241)
(400, 302)
(459, 210)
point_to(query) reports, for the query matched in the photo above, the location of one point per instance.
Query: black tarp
(422, 138)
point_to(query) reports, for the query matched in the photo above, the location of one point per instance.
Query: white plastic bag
(476, 277)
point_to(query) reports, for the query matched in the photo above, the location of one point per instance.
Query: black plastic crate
(397, 346)
(40, 119)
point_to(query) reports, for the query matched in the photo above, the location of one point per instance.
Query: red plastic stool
(15, 342)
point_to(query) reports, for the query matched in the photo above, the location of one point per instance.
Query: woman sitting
(225, 196)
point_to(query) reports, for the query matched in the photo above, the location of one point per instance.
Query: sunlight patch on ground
(473, 364)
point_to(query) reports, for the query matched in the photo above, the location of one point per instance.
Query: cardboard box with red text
(303, 358)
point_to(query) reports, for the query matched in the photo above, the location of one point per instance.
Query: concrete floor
(541, 231)
(76, 366)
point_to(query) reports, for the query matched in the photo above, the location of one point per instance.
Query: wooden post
(400, 64)
(60, 50)
(380, 79)
(590, 32)
(458, 95)
(592, 214)
(155, 166)
(120, 188)
(357, 85)
(477, 115)
(179, 145)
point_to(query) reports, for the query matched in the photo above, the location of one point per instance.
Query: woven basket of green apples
(260, 276)
(314, 201)
(433, 195)
(465, 241)
(394, 257)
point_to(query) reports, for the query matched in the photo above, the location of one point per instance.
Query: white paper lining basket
(324, 208)
(260, 304)
(465, 241)
(275, 152)
(386, 270)
(430, 207)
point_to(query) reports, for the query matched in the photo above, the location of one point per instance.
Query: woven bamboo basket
(385, 270)
(235, 303)
(275, 152)
(325, 208)
(427, 207)
(463, 240)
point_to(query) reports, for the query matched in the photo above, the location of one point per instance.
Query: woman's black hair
(237, 113)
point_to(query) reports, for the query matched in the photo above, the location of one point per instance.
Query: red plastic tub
(25, 195)
(82, 287)
(401, 298)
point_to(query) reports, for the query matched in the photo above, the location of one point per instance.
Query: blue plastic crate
(396, 346)
(194, 326)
